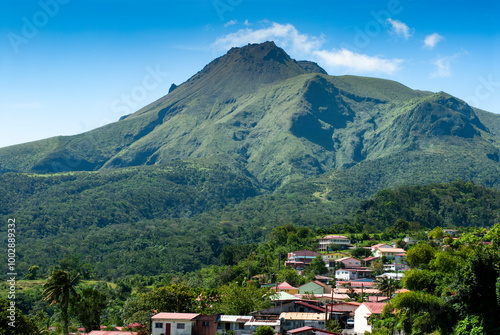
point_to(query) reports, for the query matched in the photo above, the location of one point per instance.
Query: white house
(339, 240)
(174, 323)
(352, 274)
(362, 314)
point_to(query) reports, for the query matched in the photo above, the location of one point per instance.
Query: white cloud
(357, 62)
(432, 40)
(286, 35)
(230, 23)
(303, 45)
(399, 28)
(443, 65)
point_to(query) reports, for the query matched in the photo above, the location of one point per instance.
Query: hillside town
(345, 300)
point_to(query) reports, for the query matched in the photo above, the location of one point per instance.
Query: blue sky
(69, 66)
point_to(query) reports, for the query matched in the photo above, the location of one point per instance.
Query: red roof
(311, 329)
(375, 307)
(319, 309)
(175, 316)
(110, 332)
(285, 286)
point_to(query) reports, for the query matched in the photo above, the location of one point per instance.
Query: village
(344, 303)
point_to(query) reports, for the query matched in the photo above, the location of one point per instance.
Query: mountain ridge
(274, 118)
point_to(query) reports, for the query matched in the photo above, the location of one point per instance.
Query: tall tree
(58, 289)
(87, 307)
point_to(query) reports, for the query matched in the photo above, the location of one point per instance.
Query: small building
(315, 287)
(380, 245)
(310, 331)
(206, 324)
(339, 241)
(174, 323)
(363, 312)
(353, 274)
(236, 323)
(388, 252)
(349, 262)
(287, 288)
(289, 307)
(330, 258)
(300, 259)
(110, 332)
(296, 320)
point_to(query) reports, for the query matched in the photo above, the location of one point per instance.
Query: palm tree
(58, 289)
(386, 285)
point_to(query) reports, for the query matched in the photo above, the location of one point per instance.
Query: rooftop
(175, 316)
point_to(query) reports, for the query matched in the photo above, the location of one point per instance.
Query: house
(330, 258)
(290, 307)
(451, 232)
(174, 323)
(362, 314)
(280, 297)
(349, 262)
(380, 245)
(330, 242)
(287, 288)
(353, 274)
(388, 252)
(296, 320)
(254, 323)
(206, 324)
(310, 331)
(235, 323)
(315, 287)
(110, 332)
(300, 259)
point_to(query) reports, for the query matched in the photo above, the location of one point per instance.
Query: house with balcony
(300, 259)
(334, 242)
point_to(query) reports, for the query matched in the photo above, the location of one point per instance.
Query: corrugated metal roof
(303, 316)
(175, 316)
(234, 318)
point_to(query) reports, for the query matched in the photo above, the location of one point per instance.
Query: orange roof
(175, 316)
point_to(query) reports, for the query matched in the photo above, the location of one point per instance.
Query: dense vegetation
(138, 234)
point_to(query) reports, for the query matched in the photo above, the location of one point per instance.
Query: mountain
(275, 119)
(253, 140)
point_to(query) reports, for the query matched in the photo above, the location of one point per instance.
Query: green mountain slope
(273, 118)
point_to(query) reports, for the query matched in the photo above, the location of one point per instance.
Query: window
(158, 325)
(241, 325)
(180, 326)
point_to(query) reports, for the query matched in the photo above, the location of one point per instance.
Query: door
(167, 328)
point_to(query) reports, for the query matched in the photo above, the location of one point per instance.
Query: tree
(87, 307)
(361, 253)
(290, 275)
(377, 266)
(242, 299)
(23, 325)
(387, 285)
(264, 330)
(59, 288)
(318, 266)
(174, 298)
(420, 254)
(32, 273)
